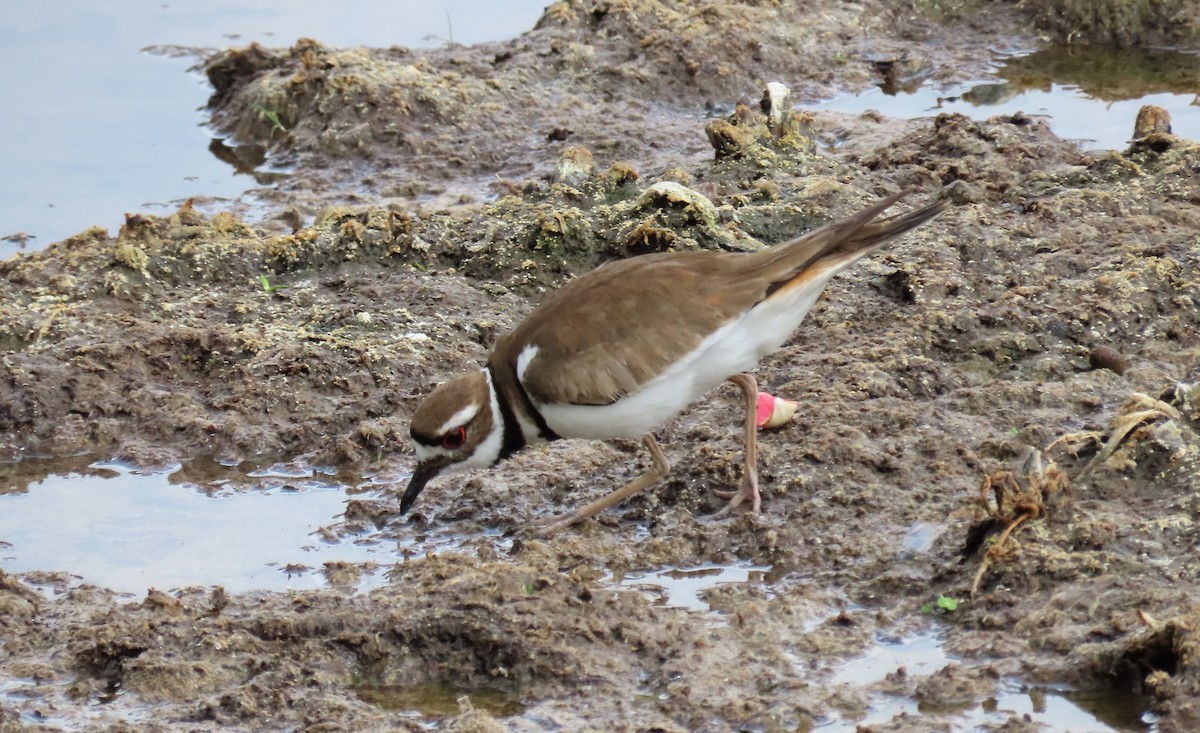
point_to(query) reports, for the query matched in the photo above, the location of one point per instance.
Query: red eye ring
(454, 439)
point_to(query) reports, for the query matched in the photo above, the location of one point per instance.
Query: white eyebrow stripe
(462, 417)
(425, 452)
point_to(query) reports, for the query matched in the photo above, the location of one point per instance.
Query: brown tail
(867, 234)
(842, 242)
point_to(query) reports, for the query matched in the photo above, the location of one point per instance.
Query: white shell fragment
(574, 166)
(777, 106)
(774, 411)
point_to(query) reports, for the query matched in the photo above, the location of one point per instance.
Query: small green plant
(271, 116)
(268, 288)
(945, 604)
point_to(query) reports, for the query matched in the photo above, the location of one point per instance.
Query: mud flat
(992, 477)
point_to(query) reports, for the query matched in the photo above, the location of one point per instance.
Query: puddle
(29, 697)
(1123, 711)
(1090, 93)
(1054, 709)
(105, 127)
(683, 587)
(440, 699)
(130, 531)
(919, 655)
(919, 538)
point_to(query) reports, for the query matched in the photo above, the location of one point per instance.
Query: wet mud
(997, 444)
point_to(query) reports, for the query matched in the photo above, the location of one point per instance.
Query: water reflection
(1088, 93)
(246, 160)
(132, 530)
(1053, 709)
(685, 587)
(104, 116)
(1107, 73)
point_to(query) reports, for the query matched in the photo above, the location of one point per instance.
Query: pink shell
(773, 411)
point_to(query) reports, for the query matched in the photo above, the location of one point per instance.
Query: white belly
(737, 347)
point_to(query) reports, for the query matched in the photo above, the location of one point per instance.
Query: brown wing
(608, 332)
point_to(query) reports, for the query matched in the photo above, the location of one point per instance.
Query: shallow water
(268, 528)
(1056, 709)
(130, 531)
(683, 587)
(919, 655)
(95, 125)
(1091, 93)
(439, 699)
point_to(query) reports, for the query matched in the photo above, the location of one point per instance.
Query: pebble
(1106, 357)
(1150, 120)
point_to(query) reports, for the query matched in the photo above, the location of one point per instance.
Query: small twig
(994, 551)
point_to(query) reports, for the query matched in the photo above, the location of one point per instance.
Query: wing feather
(605, 334)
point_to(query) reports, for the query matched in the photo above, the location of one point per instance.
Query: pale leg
(749, 489)
(659, 470)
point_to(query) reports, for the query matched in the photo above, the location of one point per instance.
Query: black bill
(420, 477)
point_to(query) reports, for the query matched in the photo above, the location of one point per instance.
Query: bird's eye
(454, 439)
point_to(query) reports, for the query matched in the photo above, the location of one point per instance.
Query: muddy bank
(1051, 309)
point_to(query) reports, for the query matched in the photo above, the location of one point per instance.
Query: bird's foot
(747, 492)
(658, 471)
(546, 526)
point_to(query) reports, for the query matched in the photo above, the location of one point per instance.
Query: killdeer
(625, 347)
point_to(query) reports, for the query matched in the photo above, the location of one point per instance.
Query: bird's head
(455, 428)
